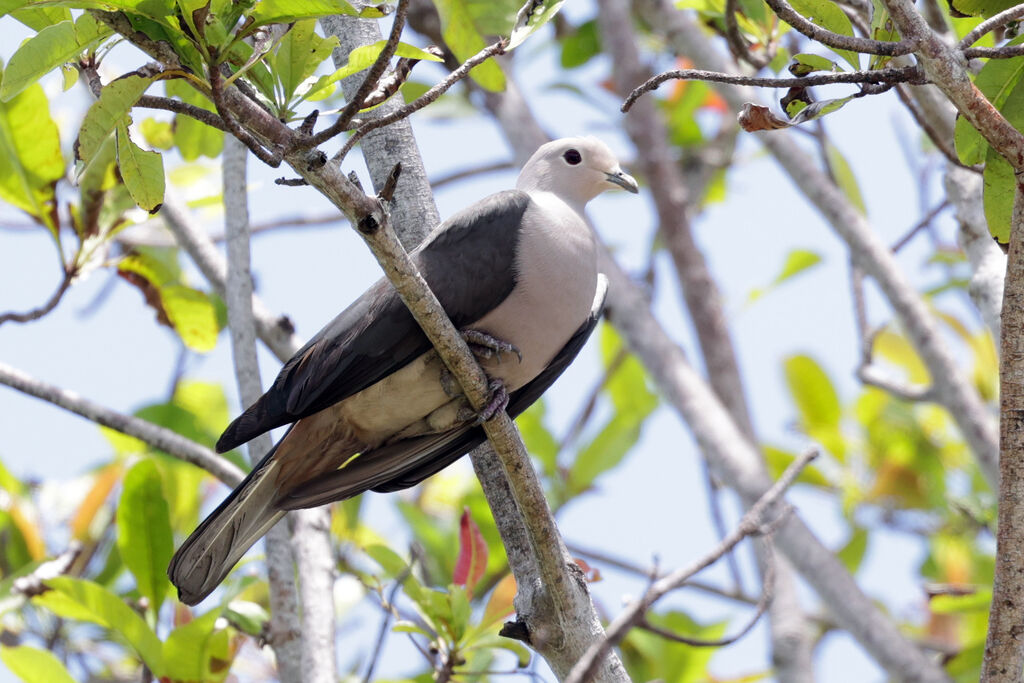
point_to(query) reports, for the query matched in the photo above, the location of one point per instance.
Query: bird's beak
(623, 180)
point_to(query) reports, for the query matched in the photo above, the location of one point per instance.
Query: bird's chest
(556, 273)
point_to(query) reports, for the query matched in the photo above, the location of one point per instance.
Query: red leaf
(472, 554)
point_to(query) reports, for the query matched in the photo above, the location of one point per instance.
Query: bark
(284, 620)
(1004, 648)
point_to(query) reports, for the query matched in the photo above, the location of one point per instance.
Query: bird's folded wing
(468, 263)
(408, 462)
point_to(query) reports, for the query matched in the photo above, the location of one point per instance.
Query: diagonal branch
(766, 511)
(838, 41)
(158, 437)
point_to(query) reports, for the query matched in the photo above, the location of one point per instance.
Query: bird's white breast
(556, 274)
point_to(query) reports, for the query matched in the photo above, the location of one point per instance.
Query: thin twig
(941, 142)
(217, 92)
(872, 376)
(767, 595)
(799, 22)
(183, 108)
(158, 437)
(919, 226)
(51, 303)
(423, 100)
(382, 634)
(369, 82)
(1004, 52)
(751, 523)
(737, 43)
(990, 24)
(891, 75)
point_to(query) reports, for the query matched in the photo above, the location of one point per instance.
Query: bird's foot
(485, 347)
(498, 402)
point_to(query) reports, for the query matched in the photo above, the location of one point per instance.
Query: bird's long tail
(207, 556)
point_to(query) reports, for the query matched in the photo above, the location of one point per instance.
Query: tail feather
(212, 550)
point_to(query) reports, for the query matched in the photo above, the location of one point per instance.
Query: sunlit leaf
(360, 58)
(107, 113)
(465, 41)
(390, 561)
(30, 158)
(852, 553)
(532, 15)
(286, 11)
(299, 54)
(816, 401)
(829, 15)
(144, 535)
(34, 666)
(198, 650)
(581, 45)
(193, 138)
(996, 80)
(897, 349)
(845, 178)
(500, 604)
(83, 600)
(141, 170)
(53, 46)
(797, 261)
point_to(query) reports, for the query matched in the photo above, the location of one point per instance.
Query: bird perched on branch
(372, 407)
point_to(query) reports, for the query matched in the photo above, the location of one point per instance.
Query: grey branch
(158, 437)
(766, 511)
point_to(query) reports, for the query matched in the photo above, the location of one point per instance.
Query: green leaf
(804, 64)
(142, 172)
(34, 666)
(797, 261)
(1000, 186)
(198, 650)
(37, 56)
(852, 554)
(248, 617)
(157, 134)
(30, 158)
(604, 452)
(83, 600)
(533, 15)
(996, 80)
(815, 110)
(984, 8)
(194, 138)
(390, 561)
(539, 441)
(37, 16)
(144, 535)
(107, 113)
(829, 15)
(979, 601)
(816, 401)
(298, 55)
(360, 58)
(844, 178)
(462, 37)
(581, 45)
(287, 11)
(778, 460)
(193, 316)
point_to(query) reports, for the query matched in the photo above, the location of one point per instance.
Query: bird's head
(576, 169)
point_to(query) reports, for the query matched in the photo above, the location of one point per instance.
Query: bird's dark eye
(573, 157)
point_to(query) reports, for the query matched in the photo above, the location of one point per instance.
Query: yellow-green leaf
(193, 316)
(107, 113)
(34, 666)
(144, 536)
(84, 600)
(30, 158)
(462, 37)
(142, 172)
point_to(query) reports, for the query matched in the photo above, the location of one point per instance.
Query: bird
(370, 404)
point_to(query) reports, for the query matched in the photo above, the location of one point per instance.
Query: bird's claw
(485, 347)
(497, 403)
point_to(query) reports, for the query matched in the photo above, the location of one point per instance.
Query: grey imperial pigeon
(370, 404)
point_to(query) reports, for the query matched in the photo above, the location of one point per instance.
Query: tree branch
(767, 510)
(991, 24)
(51, 303)
(1004, 647)
(908, 74)
(789, 15)
(158, 437)
(284, 623)
(373, 75)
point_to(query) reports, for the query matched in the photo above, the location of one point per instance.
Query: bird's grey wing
(408, 462)
(468, 263)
